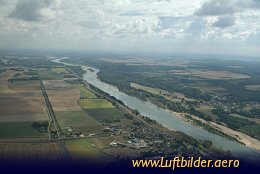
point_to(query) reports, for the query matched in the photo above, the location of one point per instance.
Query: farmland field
(210, 74)
(30, 152)
(58, 70)
(19, 130)
(95, 103)
(64, 99)
(106, 114)
(25, 84)
(104, 142)
(85, 150)
(22, 103)
(146, 61)
(84, 92)
(78, 120)
(17, 109)
(48, 74)
(55, 84)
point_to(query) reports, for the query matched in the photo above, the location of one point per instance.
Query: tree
(207, 144)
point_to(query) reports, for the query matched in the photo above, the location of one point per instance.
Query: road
(60, 141)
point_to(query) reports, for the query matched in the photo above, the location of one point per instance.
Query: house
(113, 143)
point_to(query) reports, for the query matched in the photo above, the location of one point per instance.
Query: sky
(183, 26)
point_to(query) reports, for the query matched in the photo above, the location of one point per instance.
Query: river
(166, 118)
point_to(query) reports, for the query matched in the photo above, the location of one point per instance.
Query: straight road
(61, 143)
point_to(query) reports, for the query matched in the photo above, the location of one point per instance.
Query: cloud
(224, 22)
(94, 18)
(133, 13)
(215, 8)
(34, 10)
(167, 21)
(197, 27)
(134, 27)
(254, 38)
(252, 4)
(223, 7)
(135, 24)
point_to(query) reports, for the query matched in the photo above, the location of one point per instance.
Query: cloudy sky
(192, 26)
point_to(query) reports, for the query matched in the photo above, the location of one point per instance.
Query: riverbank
(247, 140)
(239, 136)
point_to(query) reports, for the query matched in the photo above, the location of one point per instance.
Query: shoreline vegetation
(210, 126)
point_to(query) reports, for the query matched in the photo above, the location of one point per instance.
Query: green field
(84, 150)
(19, 130)
(58, 70)
(104, 142)
(106, 114)
(95, 103)
(48, 74)
(84, 92)
(78, 120)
